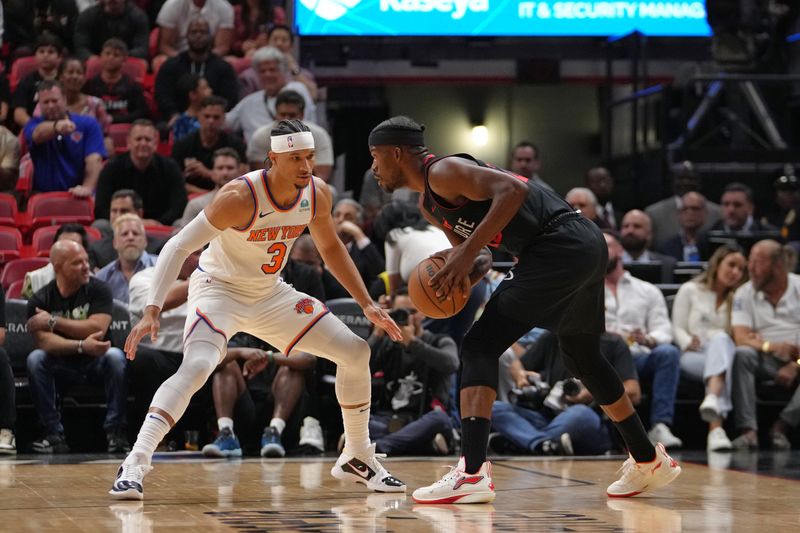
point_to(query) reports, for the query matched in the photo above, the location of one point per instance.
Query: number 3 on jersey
(278, 253)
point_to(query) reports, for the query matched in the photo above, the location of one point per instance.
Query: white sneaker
(709, 409)
(364, 468)
(128, 485)
(311, 434)
(718, 441)
(661, 433)
(641, 477)
(459, 487)
(8, 444)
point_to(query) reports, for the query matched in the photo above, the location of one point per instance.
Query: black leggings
(582, 357)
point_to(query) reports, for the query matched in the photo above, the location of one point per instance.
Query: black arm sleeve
(102, 199)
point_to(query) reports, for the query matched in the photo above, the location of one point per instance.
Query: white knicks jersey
(251, 258)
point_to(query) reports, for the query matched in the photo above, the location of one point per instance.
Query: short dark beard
(633, 244)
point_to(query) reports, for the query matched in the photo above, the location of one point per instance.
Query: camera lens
(571, 387)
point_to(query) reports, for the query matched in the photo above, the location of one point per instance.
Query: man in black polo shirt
(194, 153)
(157, 179)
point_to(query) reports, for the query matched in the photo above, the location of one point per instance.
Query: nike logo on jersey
(359, 468)
(263, 214)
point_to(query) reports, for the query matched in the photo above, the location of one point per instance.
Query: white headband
(291, 142)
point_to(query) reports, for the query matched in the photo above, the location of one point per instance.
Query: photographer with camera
(546, 411)
(409, 411)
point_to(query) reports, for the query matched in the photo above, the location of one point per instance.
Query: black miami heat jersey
(540, 207)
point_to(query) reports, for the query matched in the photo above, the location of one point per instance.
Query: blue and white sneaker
(226, 445)
(271, 443)
(128, 485)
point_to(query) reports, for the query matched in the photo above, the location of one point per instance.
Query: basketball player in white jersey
(251, 224)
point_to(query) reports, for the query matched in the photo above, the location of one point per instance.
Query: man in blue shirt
(130, 242)
(67, 149)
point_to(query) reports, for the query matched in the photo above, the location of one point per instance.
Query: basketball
(425, 298)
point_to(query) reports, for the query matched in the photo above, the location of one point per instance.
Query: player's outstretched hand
(454, 273)
(149, 324)
(381, 318)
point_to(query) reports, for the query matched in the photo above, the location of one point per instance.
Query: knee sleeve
(198, 363)
(583, 359)
(351, 355)
(479, 364)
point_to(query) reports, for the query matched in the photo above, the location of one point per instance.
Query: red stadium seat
(10, 244)
(8, 210)
(134, 67)
(165, 148)
(159, 232)
(152, 44)
(21, 68)
(25, 181)
(23, 144)
(14, 291)
(239, 64)
(56, 208)
(119, 134)
(43, 239)
(15, 270)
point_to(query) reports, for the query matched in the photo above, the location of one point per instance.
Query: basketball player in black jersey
(557, 284)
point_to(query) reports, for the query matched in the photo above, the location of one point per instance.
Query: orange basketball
(425, 298)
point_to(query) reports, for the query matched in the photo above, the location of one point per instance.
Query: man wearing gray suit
(664, 214)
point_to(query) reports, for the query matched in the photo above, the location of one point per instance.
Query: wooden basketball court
(300, 495)
(188, 492)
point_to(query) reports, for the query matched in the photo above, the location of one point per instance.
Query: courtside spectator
(197, 59)
(157, 179)
(194, 153)
(289, 106)
(111, 19)
(123, 97)
(72, 76)
(48, 51)
(192, 89)
(258, 108)
(175, 16)
(67, 149)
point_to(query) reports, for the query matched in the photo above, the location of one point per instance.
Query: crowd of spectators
(147, 113)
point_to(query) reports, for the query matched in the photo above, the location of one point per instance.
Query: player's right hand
(149, 324)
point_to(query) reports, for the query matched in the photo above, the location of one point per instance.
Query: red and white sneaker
(642, 477)
(459, 487)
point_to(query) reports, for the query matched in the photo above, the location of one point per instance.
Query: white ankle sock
(356, 429)
(279, 424)
(225, 422)
(153, 430)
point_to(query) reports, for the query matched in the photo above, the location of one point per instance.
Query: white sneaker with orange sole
(644, 477)
(459, 487)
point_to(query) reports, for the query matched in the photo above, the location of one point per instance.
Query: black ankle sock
(474, 439)
(635, 438)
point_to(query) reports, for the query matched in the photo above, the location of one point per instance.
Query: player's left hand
(381, 318)
(455, 272)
